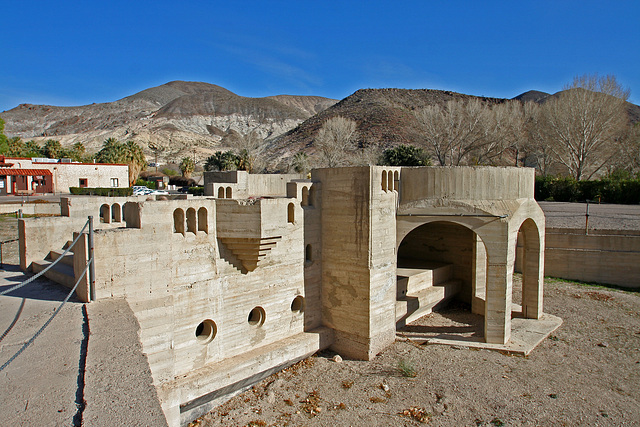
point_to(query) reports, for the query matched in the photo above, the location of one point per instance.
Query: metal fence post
(92, 270)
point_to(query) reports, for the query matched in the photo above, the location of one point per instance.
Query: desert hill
(178, 117)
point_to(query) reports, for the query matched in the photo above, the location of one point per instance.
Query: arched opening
(396, 180)
(257, 316)
(206, 331)
(191, 220)
(291, 213)
(229, 192)
(178, 221)
(308, 254)
(437, 261)
(116, 213)
(203, 222)
(384, 180)
(297, 305)
(390, 178)
(312, 195)
(105, 213)
(305, 196)
(221, 193)
(528, 262)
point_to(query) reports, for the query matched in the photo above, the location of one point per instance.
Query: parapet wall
(466, 183)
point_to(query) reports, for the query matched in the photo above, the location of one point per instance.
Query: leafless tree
(250, 150)
(335, 141)
(585, 124)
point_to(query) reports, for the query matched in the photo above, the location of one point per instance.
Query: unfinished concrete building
(268, 269)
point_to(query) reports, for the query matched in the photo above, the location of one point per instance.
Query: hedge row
(112, 192)
(623, 191)
(196, 191)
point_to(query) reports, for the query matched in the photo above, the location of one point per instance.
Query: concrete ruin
(268, 269)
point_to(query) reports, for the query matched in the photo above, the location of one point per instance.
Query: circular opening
(256, 316)
(297, 305)
(206, 331)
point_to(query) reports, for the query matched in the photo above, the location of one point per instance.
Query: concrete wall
(31, 208)
(241, 184)
(610, 256)
(467, 183)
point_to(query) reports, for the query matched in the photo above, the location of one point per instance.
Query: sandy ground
(586, 373)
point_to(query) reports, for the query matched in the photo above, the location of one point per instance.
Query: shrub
(196, 191)
(110, 192)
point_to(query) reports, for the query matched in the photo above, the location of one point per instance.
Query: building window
(84, 183)
(114, 182)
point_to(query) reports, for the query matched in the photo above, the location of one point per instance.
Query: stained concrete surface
(86, 368)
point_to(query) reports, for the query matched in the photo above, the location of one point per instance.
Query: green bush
(148, 184)
(111, 192)
(196, 191)
(606, 190)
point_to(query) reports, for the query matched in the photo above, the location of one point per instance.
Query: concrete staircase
(420, 289)
(61, 273)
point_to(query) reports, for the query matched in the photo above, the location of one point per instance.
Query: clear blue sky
(74, 53)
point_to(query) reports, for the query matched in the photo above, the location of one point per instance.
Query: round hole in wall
(206, 331)
(257, 316)
(297, 305)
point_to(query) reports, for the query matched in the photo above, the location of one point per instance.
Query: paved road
(86, 368)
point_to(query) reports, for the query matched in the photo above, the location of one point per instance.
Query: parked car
(159, 193)
(141, 190)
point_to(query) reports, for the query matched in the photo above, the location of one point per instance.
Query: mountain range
(194, 118)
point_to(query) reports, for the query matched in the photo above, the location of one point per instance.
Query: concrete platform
(526, 334)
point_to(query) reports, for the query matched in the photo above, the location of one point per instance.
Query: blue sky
(80, 52)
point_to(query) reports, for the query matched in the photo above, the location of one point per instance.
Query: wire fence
(31, 279)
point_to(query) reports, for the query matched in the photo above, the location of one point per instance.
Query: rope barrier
(55, 313)
(31, 279)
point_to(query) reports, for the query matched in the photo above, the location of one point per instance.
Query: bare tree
(249, 148)
(335, 141)
(584, 125)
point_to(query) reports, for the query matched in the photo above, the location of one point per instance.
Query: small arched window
(291, 213)
(229, 192)
(384, 180)
(191, 220)
(116, 213)
(221, 193)
(305, 196)
(105, 213)
(308, 254)
(312, 195)
(390, 186)
(203, 220)
(178, 221)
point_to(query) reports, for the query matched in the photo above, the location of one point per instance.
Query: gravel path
(601, 217)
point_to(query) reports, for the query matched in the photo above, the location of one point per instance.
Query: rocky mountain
(384, 117)
(177, 118)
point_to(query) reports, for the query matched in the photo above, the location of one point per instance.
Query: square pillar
(497, 313)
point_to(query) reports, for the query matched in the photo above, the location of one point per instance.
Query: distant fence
(602, 256)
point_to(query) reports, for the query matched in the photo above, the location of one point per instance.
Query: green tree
(187, 166)
(52, 149)
(405, 155)
(222, 161)
(4, 143)
(77, 152)
(16, 147)
(130, 153)
(31, 149)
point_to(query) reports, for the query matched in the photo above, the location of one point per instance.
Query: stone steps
(414, 306)
(61, 273)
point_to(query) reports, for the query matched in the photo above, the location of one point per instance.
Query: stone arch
(221, 193)
(229, 193)
(203, 220)
(191, 221)
(291, 213)
(308, 253)
(305, 196)
(532, 259)
(384, 180)
(178, 221)
(116, 213)
(105, 213)
(390, 180)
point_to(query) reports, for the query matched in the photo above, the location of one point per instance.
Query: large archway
(529, 259)
(445, 259)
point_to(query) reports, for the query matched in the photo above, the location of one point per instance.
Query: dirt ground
(586, 373)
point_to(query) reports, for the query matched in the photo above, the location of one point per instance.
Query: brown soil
(586, 373)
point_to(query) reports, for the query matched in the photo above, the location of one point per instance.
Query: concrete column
(479, 278)
(497, 317)
(532, 273)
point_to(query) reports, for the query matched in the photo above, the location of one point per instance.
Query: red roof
(29, 172)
